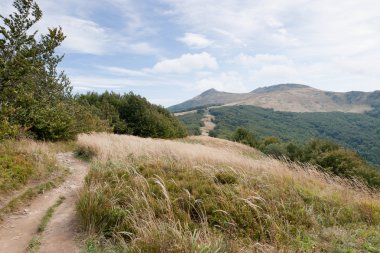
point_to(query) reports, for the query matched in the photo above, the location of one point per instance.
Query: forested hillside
(360, 132)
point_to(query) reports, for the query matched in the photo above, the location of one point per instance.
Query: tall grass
(205, 195)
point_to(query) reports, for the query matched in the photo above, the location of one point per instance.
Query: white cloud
(261, 59)
(343, 37)
(122, 71)
(82, 36)
(143, 48)
(194, 40)
(275, 74)
(186, 63)
(230, 81)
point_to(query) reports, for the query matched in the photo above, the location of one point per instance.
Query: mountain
(289, 98)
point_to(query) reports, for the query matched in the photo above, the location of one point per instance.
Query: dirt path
(209, 125)
(18, 229)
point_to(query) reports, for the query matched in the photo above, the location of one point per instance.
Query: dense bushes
(133, 114)
(327, 155)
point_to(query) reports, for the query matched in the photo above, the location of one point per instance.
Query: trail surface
(209, 125)
(18, 229)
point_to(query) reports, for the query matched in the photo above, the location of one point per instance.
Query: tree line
(36, 99)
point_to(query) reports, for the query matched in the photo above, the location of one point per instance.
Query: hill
(201, 194)
(290, 98)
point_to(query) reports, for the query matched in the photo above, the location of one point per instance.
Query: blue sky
(171, 50)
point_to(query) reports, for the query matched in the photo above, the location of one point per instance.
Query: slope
(201, 194)
(289, 97)
(360, 132)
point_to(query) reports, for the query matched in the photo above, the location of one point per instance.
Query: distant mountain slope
(289, 97)
(209, 97)
(360, 132)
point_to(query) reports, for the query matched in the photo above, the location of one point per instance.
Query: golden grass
(201, 194)
(205, 153)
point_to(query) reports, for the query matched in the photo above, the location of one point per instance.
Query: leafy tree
(244, 136)
(133, 114)
(31, 88)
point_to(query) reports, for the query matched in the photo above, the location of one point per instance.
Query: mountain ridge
(288, 97)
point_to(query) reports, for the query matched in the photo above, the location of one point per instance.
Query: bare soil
(60, 235)
(209, 125)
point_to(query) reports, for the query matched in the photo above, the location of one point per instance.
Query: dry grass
(27, 164)
(207, 195)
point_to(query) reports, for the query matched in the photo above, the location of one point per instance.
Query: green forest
(359, 132)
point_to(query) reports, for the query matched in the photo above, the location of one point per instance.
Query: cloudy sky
(171, 50)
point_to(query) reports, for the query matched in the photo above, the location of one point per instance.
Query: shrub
(245, 137)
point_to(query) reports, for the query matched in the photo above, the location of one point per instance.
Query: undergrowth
(27, 169)
(26, 161)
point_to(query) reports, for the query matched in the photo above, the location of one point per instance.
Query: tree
(244, 136)
(29, 80)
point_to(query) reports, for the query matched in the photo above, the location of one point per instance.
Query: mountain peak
(209, 92)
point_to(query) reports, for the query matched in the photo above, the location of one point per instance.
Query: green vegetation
(359, 132)
(180, 108)
(31, 168)
(35, 243)
(193, 122)
(154, 203)
(133, 114)
(36, 99)
(326, 155)
(20, 165)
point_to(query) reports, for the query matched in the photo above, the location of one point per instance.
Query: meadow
(201, 194)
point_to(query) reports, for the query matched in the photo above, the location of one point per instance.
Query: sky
(172, 50)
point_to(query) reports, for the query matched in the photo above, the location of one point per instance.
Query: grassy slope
(356, 131)
(30, 166)
(206, 195)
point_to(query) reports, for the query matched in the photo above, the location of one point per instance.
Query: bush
(54, 123)
(245, 137)
(7, 130)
